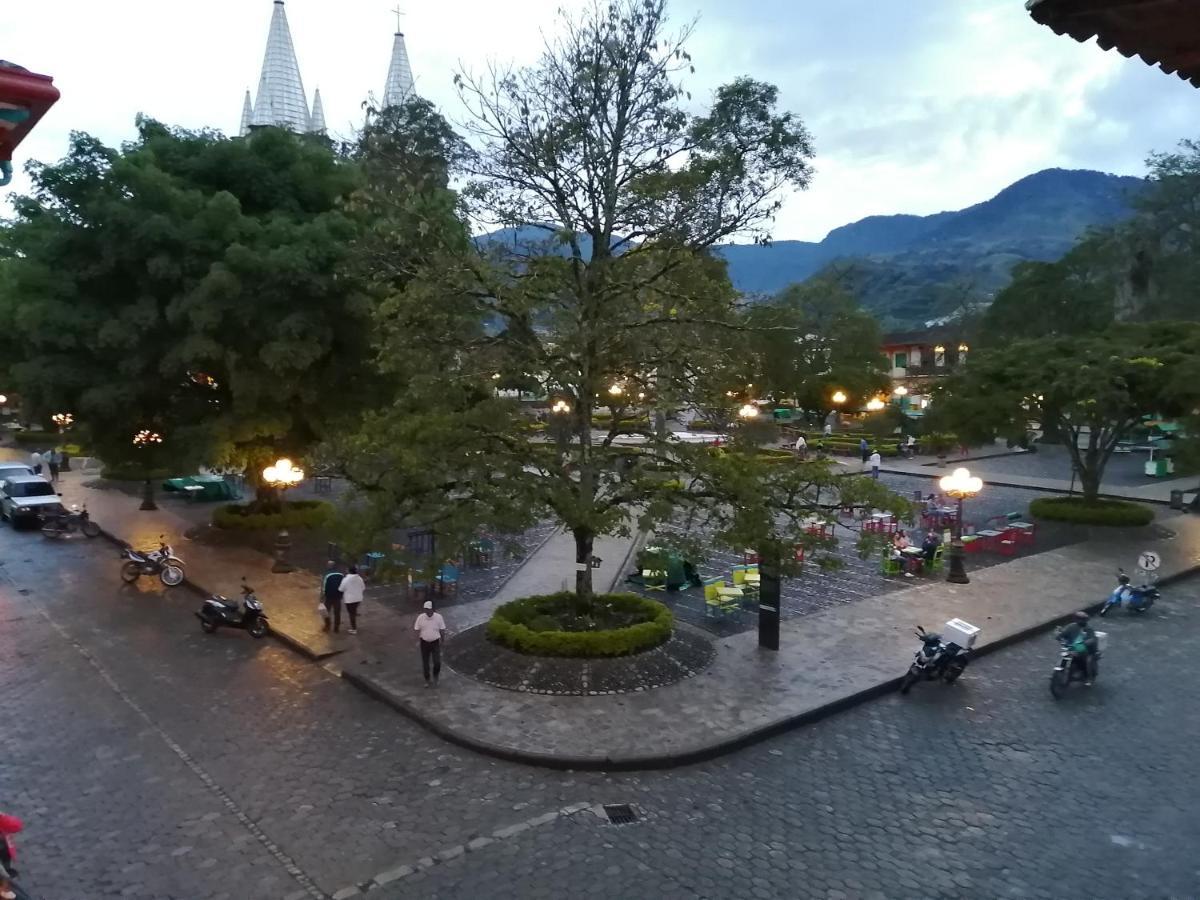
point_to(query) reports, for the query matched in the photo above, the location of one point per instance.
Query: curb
(372, 688)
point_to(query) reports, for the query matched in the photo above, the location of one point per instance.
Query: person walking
(865, 449)
(801, 448)
(876, 461)
(35, 460)
(828, 429)
(353, 587)
(54, 461)
(430, 626)
(331, 596)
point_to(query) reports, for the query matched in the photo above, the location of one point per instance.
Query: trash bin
(1176, 499)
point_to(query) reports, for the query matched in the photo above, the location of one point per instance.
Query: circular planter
(558, 625)
(1113, 513)
(295, 514)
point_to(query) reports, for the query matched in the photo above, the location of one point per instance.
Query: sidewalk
(828, 661)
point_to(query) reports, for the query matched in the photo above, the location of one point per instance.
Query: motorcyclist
(1079, 636)
(9, 825)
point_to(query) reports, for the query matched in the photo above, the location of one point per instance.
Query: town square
(618, 450)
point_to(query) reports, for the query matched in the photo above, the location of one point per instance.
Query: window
(939, 355)
(901, 360)
(29, 489)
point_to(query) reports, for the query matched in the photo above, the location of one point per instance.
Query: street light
(616, 390)
(562, 407)
(748, 411)
(63, 421)
(875, 404)
(282, 476)
(3, 399)
(901, 391)
(839, 397)
(961, 485)
(146, 440)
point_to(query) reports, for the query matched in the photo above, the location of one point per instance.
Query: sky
(916, 106)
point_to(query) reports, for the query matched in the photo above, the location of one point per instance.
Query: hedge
(133, 473)
(40, 439)
(527, 626)
(296, 514)
(1098, 512)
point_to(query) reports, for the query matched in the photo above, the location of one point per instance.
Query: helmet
(1081, 617)
(1123, 578)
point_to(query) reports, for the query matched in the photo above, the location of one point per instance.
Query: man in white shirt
(801, 447)
(353, 588)
(430, 627)
(876, 462)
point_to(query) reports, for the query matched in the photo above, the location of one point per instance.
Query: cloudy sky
(916, 105)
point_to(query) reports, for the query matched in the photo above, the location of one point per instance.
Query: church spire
(281, 100)
(399, 85)
(247, 115)
(317, 120)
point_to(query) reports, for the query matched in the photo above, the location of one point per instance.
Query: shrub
(1098, 512)
(701, 425)
(295, 514)
(48, 439)
(536, 625)
(133, 472)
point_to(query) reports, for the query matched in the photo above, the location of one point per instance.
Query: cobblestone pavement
(152, 761)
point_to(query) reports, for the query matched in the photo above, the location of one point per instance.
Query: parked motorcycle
(161, 562)
(1072, 662)
(219, 611)
(937, 659)
(1137, 599)
(73, 520)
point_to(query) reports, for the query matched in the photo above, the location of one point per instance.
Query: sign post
(1149, 560)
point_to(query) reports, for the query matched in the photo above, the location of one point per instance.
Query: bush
(39, 440)
(133, 473)
(539, 625)
(1099, 512)
(296, 514)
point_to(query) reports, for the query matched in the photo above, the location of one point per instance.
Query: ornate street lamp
(839, 397)
(748, 411)
(615, 390)
(63, 421)
(875, 404)
(561, 407)
(282, 476)
(901, 391)
(146, 440)
(961, 485)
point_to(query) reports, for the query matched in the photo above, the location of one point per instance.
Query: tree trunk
(1089, 480)
(583, 567)
(267, 499)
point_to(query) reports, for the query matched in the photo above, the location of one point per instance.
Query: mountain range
(902, 266)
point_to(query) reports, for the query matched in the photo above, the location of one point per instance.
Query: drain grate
(620, 813)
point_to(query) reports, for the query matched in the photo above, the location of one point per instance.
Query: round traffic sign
(1149, 560)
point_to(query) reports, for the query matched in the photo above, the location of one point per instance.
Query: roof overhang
(1164, 33)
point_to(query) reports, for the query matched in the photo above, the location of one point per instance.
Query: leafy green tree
(195, 283)
(1091, 391)
(600, 294)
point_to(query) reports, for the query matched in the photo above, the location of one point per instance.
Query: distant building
(917, 359)
(281, 100)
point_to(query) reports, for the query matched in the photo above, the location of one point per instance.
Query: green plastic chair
(892, 566)
(937, 564)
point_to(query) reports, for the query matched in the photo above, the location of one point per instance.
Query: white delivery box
(1101, 641)
(956, 631)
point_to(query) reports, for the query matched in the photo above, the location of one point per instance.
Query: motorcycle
(935, 660)
(219, 611)
(74, 519)
(1072, 662)
(1136, 599)
(161, 562)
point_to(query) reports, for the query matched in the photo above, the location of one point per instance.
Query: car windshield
(29, 489)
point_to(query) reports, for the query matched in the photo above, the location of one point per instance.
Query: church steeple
(317, 120)
(281, 100)
(247, 115)
(399, 86)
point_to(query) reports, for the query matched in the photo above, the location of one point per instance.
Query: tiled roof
(1164, 33)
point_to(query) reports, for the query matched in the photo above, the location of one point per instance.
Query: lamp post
(875, 404)
(63, 421)
(282, 476)
(749, 412)
(961, 485)
(146, 440)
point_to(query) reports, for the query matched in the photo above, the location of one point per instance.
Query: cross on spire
(399, 12)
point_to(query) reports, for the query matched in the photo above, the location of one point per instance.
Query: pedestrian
(876, 461)
(353, 587)
(801, 448)
(9, 825)
(828, 429)
(54, 461)
(331, 596)
(430, 626)
(911, 446)
(35, 460)
(865, 449)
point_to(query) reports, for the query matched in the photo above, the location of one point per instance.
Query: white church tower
(281, 100)
(399, 86)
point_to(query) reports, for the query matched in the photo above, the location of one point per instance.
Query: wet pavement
(152, 761)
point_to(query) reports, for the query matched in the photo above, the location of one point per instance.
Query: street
(149, 760)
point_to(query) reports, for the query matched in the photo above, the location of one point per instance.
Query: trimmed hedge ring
(1114, 513)
(296, 514)
(510, 626)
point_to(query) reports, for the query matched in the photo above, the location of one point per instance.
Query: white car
(25, 499)
(9, 469)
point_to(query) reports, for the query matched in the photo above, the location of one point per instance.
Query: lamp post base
(957, 573)
(148, 503)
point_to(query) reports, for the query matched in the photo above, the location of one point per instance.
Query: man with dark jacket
(1079, 636)
(331, 596)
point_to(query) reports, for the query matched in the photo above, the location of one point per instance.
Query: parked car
(8, 469)
(24, 499)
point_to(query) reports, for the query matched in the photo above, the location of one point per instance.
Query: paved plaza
(152, 761)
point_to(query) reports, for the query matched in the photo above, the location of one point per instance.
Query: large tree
(193, 283)
(1090, 391)
(599, 293)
